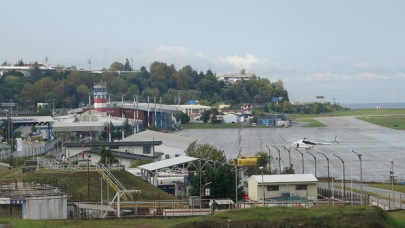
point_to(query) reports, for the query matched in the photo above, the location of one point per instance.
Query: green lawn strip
(360, 112)
(209, 125)
(393, 122)
(367, 192)
(397, 188)
(312, 122)
(277, 216)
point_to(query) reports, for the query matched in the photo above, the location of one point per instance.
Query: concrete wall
(256, 191)
(11, 211)
(40, 208)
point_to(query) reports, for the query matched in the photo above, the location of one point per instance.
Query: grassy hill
(254, 217)
(392, 121)
(76, 183)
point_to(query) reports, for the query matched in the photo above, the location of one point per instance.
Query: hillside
(76, 184)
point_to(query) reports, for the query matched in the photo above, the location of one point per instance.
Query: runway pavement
(377, 144)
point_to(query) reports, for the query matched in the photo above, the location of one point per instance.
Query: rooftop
(167, 163)
(167, 139)
(284, 178)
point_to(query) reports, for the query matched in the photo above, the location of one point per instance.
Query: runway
(377, 144)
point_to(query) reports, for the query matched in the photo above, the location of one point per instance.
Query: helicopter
(308, 144)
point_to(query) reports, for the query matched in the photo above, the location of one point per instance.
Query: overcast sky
(349, 50)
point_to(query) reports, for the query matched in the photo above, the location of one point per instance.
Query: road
(377, 144)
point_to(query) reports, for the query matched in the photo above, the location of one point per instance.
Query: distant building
(193, 111)
(26, 69)
(233, 78)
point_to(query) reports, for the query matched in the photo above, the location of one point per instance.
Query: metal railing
(113, 182)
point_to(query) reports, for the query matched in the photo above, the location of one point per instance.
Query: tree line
(69, 88)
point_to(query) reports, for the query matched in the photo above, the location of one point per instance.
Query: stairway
(113, 182)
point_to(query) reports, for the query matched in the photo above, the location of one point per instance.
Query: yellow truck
(245, 160)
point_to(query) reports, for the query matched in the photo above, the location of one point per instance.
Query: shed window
(272, 188)
(146, 149)
(300, 187)
(167, 156)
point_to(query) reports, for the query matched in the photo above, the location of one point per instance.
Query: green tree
(223, 183)
(117, 66)
(315, 109)
(184, 117)
(132, 91)
(35, 71)
(206, 151)
(127, 128)
(127, 66)
(214, 119)
(287, 107)
(205, 116)
(106, 156)
(288, 170)
(136, 163)
(33, 129)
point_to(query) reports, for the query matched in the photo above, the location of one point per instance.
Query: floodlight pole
(328, 170)
(361, 173)
(262, 185)
(289, 154)
(315, 160)
(199, 166)
(279, 162)
(88, 180)
(269, 156)
(302, 155)
(344, 184)
(392, 182)
(236, 185)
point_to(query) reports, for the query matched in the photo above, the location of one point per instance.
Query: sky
(352, 51)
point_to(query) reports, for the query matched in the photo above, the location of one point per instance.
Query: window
(177, 155)
(167, 156)
(272, 188)
(146, 149)
(300, 187)
(114, 147)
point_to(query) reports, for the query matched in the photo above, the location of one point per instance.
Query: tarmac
(377, 145)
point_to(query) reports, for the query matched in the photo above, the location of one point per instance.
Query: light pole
(119, 168)
(315, 160)
(361, 173)
(302, 155)
(88, 172)
(279, 162)
(269, 156)
(261, 168)
(392, 181)
(344, 184)
(289, 154)
(328, 169)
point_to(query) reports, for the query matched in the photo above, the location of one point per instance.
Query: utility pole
(89, 61)
(279, 158)
(132, 64)
(328, 170)
(302, 155)
(315, 160)
(361, 173)
(289, 154)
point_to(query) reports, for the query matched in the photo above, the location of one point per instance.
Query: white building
(193, 111)
(172, 145)
(125, 152)
(276, 185)
(233, 78)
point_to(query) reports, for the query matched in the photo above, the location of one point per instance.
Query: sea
(400, 105)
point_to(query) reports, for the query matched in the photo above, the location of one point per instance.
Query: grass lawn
(76, 183)
(252, 217)
(397, 188)
(394, 122)
(360, 112)
(209, 125)
(312, 122)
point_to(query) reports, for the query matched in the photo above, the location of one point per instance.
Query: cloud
(252, 64)
(371, 76)
(327, 77)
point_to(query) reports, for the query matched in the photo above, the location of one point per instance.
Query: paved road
(377, 144)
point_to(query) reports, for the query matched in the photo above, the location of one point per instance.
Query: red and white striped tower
(100, 98)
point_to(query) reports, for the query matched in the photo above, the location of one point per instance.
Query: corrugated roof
(167, 163)
(167, 139)
(284, 178)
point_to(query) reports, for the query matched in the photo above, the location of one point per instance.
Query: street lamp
(279, 162)
(88, 172)
(315, 160)
(302, 155)
(328, 170)
(392, 180)
(289, 154)
(361, 174)
(269, 156)
(261, 168)
(343, 162)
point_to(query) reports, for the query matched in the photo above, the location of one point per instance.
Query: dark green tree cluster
(207, 152)
(183, 116)
(222, 184)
